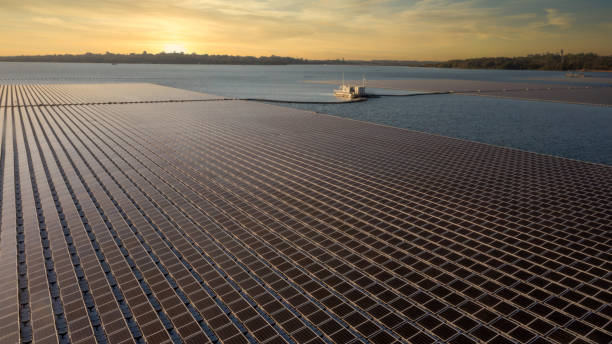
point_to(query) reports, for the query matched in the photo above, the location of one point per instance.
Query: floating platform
(195, 221)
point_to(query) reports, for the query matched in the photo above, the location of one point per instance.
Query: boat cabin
(350, 91)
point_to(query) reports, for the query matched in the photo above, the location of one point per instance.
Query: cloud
(558, 19)
(423, 29)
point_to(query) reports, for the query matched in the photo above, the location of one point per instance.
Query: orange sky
(359, 29)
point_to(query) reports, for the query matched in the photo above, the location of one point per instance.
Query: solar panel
(198, 221)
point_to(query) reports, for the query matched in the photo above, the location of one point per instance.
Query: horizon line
(145, 52)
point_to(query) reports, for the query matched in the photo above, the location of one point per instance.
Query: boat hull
(348, 95)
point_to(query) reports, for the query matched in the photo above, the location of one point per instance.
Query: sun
(174, 48)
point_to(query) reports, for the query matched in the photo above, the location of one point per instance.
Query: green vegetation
(588, 61)
(166, 58)
(539, 62)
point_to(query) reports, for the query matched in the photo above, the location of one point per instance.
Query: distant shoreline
(307, 64)
(548, 62)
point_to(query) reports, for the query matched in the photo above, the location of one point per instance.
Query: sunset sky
(357, 29)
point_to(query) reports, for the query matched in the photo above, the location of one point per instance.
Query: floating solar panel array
(238, 222)
(89, 94)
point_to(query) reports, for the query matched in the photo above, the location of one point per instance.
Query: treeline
(182, 58)
(588, 61)
(165, 58)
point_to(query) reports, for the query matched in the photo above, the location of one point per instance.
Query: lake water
(579, 132)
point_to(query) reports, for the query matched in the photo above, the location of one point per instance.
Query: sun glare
(174, 48)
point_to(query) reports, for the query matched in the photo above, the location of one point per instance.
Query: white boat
(350, 91)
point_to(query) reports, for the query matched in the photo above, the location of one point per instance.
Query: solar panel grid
(157, 288)
(10, 274)
(90, 211)
(72, 94)
(464, 227)
(39, 311)
(98, 291)
(75, 310)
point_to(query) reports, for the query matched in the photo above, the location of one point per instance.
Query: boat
(350, 91)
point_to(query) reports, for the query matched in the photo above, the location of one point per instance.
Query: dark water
(574, 131)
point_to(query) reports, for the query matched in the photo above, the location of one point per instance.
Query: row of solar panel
(9, 249)
(57, 94)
